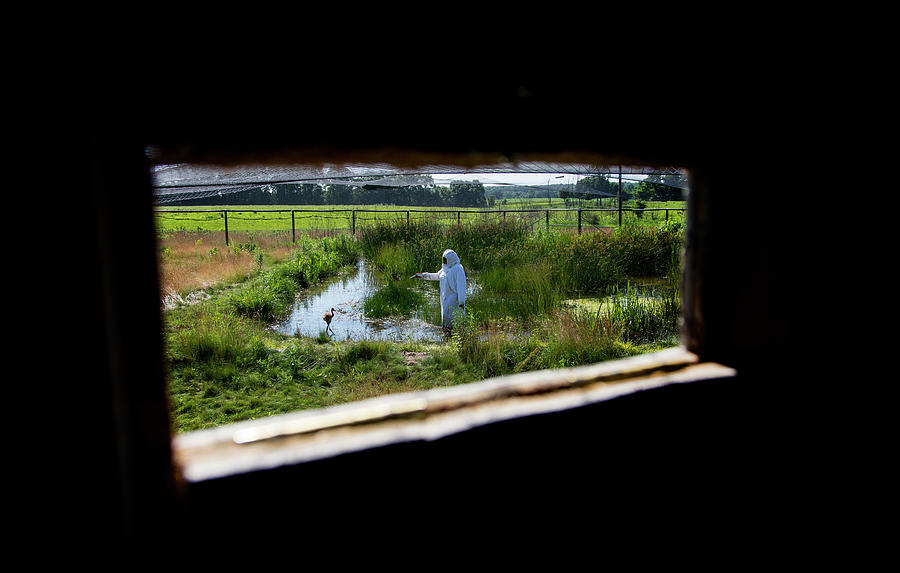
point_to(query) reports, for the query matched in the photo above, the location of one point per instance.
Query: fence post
(407, 218)
(548, 220)
(620, 195)
(579, 221)
(353, 223)
(458, 215)
(225, 212)
(293, 228)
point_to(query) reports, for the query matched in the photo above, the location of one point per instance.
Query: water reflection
(347, 295)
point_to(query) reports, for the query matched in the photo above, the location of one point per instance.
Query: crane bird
(327, 318)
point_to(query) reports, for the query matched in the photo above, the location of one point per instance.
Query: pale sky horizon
(536, 179)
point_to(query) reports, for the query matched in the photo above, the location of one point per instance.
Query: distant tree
(465, 194)
(335, 194)
(663, 187)
(299, 194)
(644, 191)
(593, 187)
(675, 185)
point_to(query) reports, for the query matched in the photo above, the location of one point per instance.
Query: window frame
(140, 483)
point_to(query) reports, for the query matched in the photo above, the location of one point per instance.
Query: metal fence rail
(352, 219)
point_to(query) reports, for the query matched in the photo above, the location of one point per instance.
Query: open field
(335, 218)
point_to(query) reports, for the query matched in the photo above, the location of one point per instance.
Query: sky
(537, 179)
(510, 178)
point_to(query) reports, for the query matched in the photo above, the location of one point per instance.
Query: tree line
(457, 194)
(653, 188)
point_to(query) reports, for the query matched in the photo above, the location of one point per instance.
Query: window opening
(290, 288)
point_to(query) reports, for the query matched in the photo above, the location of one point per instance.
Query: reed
(586, 264)
(393, 299)
(226, 366)
(643, 319)
(479, 244)
(520, 291)
(397, 260)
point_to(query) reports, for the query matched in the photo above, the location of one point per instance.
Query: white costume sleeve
(430, 276)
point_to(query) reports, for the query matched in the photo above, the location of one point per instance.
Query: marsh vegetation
(538, 300)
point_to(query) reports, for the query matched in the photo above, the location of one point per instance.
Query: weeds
(393, 299)
(226, 366)
(270, 295)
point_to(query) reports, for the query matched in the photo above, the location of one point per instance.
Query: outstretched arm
(427, 276)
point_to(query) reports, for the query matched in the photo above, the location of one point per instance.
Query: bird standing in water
(327, 318)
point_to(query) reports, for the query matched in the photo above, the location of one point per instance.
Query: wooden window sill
(426, 415)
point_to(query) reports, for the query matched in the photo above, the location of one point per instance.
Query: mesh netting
(183, 181)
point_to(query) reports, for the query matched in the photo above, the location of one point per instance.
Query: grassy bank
(226, 365)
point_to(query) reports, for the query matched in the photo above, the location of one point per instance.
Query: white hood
(452, 259)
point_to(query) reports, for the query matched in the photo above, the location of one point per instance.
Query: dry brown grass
(191, 261)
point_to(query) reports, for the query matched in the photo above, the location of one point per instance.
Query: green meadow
(323, 219)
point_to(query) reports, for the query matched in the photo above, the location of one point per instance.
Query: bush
(638, 204)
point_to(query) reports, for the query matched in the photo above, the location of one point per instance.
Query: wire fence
(319, 222)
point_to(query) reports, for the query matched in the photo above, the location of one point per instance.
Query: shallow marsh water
(347, 294)
(642, 288)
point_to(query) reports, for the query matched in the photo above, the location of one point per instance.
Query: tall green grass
(268, 296)
(393, 299)
(397, 261)
(226, 366)
(564, 338)
(216, 337)
(642, 319)
(519, 291)
(520, 273)
(588, 263)
(418, 246)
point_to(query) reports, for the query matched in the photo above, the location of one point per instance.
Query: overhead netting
(175, 183)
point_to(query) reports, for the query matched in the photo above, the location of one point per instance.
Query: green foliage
(421, 193)
(464, 194)
(638, 204)
(365, 350)
(219, 344)
(226, 366)
(393, 299)
(521, 291)
(419, 245)
(643, 319)
(587, 263)
(398, 261)
(641, 251)
(270, 295)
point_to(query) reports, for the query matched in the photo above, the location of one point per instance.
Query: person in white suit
(452, 277)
